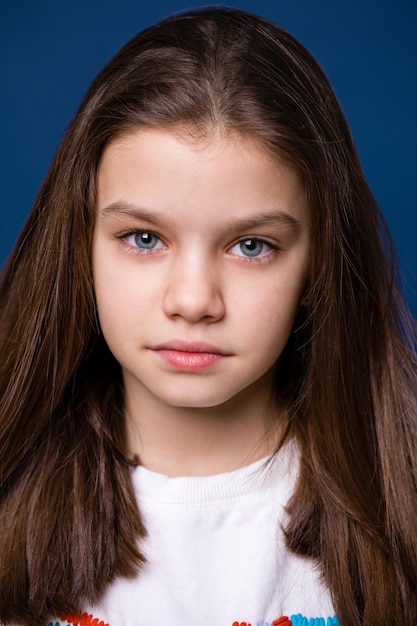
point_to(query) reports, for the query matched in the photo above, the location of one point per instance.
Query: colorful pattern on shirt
(295, 620)
(79, 620)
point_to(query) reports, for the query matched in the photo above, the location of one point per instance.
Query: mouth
(190, 356)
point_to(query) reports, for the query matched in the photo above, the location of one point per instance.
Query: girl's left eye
(251, 247)
(144, 240)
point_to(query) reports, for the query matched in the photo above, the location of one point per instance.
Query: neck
(184, 441)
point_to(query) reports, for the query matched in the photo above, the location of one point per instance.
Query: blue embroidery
(301, 620)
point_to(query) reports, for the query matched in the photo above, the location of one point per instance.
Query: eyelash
(135, 249)
(264, 258)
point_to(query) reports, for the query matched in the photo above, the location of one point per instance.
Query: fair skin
(200, 258)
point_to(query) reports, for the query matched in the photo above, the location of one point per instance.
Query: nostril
(194, 299)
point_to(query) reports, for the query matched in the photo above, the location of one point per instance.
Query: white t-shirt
(216, 554)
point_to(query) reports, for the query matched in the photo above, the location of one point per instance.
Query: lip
(189, 356)
(186, 346)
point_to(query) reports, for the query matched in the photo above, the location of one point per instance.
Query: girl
(208, 386)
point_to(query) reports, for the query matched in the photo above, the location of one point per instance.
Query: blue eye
(251, 248)
(142, 241)
(146, 240)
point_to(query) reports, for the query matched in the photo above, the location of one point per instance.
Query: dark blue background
(50, 51)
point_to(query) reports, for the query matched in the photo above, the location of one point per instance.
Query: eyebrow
(272, 217)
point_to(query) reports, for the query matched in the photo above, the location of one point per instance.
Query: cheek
(120, 287)
(271, 306)
(267, 318)
(113, 298)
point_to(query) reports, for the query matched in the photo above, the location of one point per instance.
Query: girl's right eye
(143, 240)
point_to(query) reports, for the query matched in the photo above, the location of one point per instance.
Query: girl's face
(200, 257)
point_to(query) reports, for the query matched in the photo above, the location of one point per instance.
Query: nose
(194, 292)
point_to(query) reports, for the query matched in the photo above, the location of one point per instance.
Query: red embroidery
(83, 620)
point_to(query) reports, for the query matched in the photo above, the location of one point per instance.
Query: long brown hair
(68, 516)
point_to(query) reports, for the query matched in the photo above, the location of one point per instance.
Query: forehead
(169, 171)
(210, 144)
